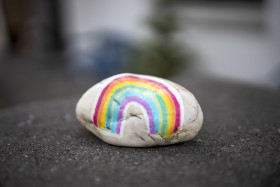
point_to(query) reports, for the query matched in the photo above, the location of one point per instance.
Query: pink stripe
(98, 105)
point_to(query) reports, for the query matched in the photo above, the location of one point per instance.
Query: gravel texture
(42, 144)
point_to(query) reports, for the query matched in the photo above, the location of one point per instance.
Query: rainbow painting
(160, 103)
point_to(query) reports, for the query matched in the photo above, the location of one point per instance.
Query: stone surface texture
(136, 130)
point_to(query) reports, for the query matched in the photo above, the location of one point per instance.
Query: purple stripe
(144, 104)
(176, 103)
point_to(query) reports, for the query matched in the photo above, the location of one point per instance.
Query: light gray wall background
(240, 42)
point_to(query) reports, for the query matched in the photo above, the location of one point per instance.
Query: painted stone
(140, 111)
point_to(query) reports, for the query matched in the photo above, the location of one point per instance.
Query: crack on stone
(163, 138)
(153, 139)
(197, 107)
(134, 115)
(140, 137)
(116, 101)
(109, 128)
(85, 120)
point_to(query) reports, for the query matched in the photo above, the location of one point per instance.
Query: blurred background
(59, 48)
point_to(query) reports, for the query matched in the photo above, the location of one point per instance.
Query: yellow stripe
(171, 119)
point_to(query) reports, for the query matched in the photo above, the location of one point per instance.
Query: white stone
(141, 112)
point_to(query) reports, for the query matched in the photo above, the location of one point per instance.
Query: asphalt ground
(43, 144)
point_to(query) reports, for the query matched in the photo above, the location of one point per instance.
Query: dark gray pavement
(42, 144)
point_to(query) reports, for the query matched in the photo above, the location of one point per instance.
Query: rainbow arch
(160, 101)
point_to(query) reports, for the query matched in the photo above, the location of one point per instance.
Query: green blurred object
(163, 55)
